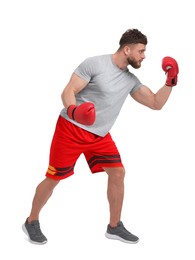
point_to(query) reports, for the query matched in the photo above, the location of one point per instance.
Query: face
(135, 54)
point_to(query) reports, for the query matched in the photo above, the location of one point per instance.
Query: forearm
(162, 96)
(68, 97)
(83, 113)
(75, 85)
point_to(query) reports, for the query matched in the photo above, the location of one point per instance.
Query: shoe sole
(33, 242)
(115, 237)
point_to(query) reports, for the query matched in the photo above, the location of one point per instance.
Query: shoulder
(92, 66)
(97, 63)
(98, 58)
(132, 77)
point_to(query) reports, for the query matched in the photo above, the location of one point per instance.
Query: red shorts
(70, 141)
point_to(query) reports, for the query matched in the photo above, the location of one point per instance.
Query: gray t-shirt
(108, 87)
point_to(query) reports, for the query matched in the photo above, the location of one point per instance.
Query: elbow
(62, 95)
(157, 106)
(63, 99)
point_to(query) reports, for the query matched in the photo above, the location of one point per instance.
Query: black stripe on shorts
(104, 159)
(64, 171)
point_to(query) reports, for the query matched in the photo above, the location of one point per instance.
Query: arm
(84, 113)
(154, 101)
(74, 86)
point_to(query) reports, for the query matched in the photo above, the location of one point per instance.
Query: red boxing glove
(170, 66)
(83, 114)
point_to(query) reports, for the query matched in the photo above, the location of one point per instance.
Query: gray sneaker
(33, 231)
(120, 233)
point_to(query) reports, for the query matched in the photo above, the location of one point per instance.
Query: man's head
(132, 36)
(133, 45)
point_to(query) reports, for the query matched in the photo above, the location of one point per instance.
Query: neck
(119, 60)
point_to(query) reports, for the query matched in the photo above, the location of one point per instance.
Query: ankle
(29, 220)
(113, 224)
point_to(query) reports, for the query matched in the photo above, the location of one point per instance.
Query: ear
(126, 50)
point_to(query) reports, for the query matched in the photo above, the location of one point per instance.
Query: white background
(41, 43)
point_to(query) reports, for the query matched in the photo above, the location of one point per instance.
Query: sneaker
(120, 233)
(34, 232)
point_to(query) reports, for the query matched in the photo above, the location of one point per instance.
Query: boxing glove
(83, 114)
(170, 66)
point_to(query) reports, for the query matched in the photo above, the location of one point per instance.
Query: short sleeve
(137, 85)
(86, 69)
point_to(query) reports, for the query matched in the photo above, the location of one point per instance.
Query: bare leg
(42, 194)
(115, 193)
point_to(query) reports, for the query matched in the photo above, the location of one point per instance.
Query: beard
(135, 64)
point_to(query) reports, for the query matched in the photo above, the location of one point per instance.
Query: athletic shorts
(70, 141)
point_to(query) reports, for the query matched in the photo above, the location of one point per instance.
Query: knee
(47, 184)
(116, 174)
(52, 183)
(120, 172)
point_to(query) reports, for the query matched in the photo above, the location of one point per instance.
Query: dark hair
(132, 36)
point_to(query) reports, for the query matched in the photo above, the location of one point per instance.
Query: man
(92, 101)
